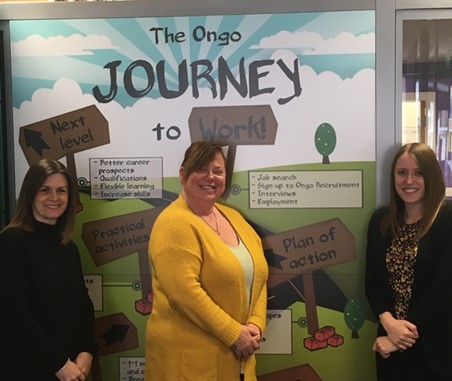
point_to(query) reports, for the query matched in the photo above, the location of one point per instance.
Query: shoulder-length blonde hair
(434, 190)
(33, 180)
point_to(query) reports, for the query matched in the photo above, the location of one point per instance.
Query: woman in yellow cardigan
(209, 280)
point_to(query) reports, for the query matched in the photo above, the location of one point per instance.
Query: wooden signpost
(303, 250)
(63, 136)
(114, 333)
(117, 237)
(233, 126)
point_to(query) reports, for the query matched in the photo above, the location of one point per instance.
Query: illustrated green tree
(325, 141)
(354, 316)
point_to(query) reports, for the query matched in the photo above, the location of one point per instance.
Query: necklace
(215, 229)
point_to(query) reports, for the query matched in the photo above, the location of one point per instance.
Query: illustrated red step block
(335, 340)
(324, 333)
(143, 306)
(313, 344)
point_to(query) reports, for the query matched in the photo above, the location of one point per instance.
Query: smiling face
(51, 199)
(409, 181)
(207, 184)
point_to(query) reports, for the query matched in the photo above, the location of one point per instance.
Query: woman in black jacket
(46, 315)
(409, 271)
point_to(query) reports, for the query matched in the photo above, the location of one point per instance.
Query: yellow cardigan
(200, 299)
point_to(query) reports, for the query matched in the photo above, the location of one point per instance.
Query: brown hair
(198, 155)
(33, 180)
(434, 190)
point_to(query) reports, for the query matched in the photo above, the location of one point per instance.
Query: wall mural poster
(292, 98)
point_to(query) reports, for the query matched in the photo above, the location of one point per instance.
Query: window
(426, 110)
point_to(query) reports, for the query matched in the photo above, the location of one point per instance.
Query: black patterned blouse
(400, 261)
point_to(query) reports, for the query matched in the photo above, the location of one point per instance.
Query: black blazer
(431, 303)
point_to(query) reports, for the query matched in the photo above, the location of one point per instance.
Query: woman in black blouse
(46, 315)
(409, 271)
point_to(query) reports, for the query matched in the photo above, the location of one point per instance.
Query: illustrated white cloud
(313, 43)
(75, 44)
(286, 39)
(346, 43)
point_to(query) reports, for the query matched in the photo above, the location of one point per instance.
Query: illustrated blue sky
(45, 51)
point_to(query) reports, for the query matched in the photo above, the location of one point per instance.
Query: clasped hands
(401, 335)
(248, 341)
(76, 370)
